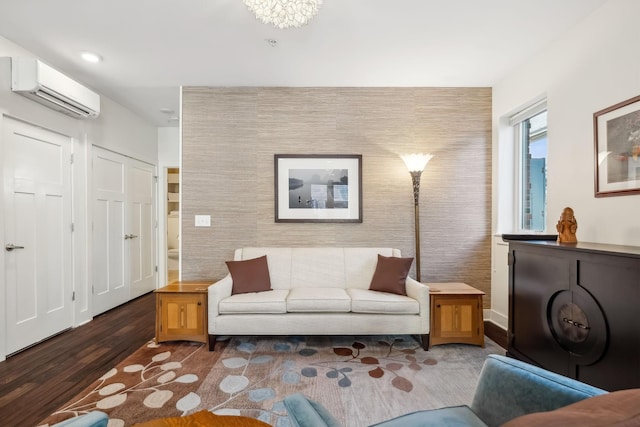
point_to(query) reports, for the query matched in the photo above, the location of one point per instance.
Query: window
(530, 128)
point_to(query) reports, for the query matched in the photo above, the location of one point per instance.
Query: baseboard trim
(496, 334)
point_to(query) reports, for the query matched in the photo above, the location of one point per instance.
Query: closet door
(124, 233)
(37, 250)
(110, 234)
(142, 236)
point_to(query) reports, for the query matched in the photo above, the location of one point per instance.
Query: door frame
(81, 249)
(3, 286)
(162, 191)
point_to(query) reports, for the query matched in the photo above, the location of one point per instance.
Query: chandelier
(284, 13)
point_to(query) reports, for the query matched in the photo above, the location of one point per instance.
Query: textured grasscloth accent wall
(230, 135)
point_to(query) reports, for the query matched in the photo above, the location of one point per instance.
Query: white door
(110, 279)
(124, 263)
(141, 207)
(38, 252)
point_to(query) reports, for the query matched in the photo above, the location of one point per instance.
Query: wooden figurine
(567, 227)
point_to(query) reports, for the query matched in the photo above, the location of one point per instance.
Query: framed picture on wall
(318, 188)
(617, 157)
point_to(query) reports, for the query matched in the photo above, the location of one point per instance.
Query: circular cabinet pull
(574, 323)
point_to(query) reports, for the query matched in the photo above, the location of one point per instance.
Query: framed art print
(318, 188)
(617, 149)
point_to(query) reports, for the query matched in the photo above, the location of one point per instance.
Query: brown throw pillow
(619, 409)
(391, 275)
(251, 275)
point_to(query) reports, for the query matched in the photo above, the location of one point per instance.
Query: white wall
(116, 129)
(169, 147)
(168, 157)
(592, 67)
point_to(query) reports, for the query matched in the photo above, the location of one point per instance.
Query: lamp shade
(416, 162)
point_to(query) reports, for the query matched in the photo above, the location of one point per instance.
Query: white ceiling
(152, 47)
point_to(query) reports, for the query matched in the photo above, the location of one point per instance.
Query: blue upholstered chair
(507, 388)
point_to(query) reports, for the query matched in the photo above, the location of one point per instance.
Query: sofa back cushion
(318, 267)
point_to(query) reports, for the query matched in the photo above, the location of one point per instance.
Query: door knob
(10, 246)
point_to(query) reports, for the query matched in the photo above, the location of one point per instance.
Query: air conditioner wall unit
(38, 81)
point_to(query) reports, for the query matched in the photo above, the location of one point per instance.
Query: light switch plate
(203, 220)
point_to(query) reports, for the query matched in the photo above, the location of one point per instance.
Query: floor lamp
(416, 164)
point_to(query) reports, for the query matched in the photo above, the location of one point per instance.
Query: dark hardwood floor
(39, 380)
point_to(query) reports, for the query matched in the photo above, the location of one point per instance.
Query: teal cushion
(92, 419)
(508, 388)
(455, 416)
(304, 412)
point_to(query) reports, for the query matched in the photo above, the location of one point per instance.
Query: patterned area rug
(361, 380)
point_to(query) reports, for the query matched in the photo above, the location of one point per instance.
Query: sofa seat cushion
(273, 301)
(314, 300)
(366, 301)
(455, 416)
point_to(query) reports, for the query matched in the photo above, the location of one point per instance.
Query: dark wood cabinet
(573, 308)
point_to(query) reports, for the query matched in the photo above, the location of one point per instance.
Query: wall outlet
(203, 220)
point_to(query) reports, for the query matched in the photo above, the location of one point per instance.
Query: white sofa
(318, 291)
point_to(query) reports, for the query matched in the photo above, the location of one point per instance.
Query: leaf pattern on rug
(238, 384)
(361, 380)
(392, 362)
(152, 378)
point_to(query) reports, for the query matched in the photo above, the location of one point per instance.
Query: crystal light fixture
(284, 13)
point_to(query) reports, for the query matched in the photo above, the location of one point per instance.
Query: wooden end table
(456, 314)
(181, 312)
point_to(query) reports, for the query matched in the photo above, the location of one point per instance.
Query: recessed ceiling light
(91, 57)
